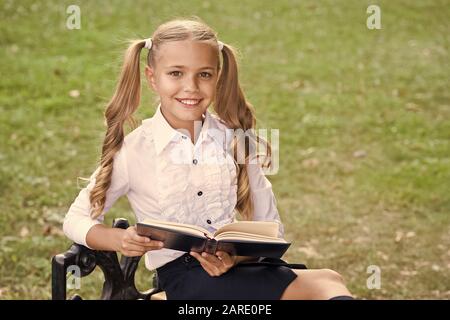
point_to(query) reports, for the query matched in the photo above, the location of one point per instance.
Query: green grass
(312, 70)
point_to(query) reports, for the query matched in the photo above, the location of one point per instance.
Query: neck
(194, 127)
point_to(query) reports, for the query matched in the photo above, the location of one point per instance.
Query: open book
(242, 238)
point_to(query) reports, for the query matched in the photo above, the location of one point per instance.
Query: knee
(331, 275)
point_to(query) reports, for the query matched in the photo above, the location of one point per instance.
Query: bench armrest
(119, 277)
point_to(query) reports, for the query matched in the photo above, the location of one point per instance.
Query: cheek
(209, 88)
(167, 87)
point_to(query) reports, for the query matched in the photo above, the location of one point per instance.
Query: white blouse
(165, 176)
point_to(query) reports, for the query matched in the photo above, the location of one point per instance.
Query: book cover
(242, 238)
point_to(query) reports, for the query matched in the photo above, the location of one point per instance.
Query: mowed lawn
(364, 120)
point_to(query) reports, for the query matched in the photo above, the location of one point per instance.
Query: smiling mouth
(189, 102)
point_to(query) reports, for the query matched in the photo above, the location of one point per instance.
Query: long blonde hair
(230, 105)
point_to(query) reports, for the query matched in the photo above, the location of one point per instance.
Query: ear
(150, 75)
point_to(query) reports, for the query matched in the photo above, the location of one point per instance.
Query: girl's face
(185, 77)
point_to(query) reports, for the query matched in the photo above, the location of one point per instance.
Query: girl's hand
(215, 265)
(133, 245)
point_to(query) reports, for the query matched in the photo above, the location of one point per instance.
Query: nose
(190, 84)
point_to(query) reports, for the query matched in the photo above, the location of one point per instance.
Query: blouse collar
(163, 133)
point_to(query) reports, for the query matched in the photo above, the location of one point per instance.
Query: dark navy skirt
(185, 279)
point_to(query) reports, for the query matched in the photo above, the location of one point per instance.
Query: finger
(204, 259)
(133, 235)
(210, 268)
(138, 238)
(133, 253)
(214, 263)
(212, 259)
(133, 247)
(198, 257)
(149, 247)
(226, 259)
(152, 244)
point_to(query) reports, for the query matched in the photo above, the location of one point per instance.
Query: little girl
(176, 167)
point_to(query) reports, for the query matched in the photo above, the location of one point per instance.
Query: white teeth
(189, 102)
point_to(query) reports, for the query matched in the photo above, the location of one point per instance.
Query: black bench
(119, 276)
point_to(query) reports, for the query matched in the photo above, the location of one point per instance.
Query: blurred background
(364, 120)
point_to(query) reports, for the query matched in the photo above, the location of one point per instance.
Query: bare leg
(320, 284)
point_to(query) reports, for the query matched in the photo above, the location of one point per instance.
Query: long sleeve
(264, 202)
(78, 221)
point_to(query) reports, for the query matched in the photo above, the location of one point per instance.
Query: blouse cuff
(79, 229)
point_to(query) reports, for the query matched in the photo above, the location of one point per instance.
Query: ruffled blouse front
(165, 176)
(196, 192)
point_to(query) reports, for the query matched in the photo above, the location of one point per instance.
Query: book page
(263, 228)
(230, 235)
(188, 228)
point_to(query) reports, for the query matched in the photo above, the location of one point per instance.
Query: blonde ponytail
(233, 108)
(119, 110)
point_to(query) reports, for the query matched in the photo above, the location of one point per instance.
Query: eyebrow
(183, 67)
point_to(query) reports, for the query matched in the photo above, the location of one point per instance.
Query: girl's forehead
(188, 53)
